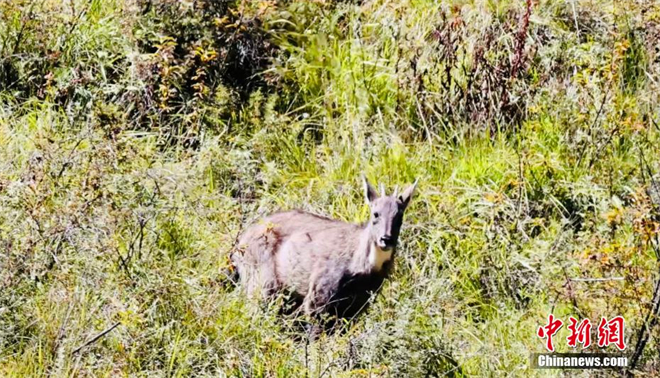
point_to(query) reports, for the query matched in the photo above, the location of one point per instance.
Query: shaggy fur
(330, 266)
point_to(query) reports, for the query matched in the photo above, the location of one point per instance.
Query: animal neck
(369, 257)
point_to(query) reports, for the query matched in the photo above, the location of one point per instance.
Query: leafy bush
(204, 57)
(139, 138)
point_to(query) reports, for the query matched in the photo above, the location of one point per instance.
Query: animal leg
(318, 297)
(309, 303)
(312, 306)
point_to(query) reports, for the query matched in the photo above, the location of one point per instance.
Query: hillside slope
(139, 137)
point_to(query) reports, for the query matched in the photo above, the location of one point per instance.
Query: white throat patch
(378, 257)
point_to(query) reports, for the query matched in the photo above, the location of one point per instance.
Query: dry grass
(134, 149)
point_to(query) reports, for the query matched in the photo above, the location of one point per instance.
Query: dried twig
(651, 319)
(644, 332)
(571, 293)
(596, 279)
(96, 338)
(519, 57)
(600, 111)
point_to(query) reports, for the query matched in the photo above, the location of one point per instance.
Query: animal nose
(387, 240)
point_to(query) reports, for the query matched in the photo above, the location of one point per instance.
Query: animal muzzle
(386, 242)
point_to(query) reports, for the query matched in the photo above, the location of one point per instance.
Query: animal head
(386, 213)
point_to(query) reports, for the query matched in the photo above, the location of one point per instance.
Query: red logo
(609, 332)
(549, 331)
(580, 334)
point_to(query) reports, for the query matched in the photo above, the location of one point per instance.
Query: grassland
(137, 139)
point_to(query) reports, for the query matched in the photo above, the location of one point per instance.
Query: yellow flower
(493, 197)
(220, 21)
(614, 216)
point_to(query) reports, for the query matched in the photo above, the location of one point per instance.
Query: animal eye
(376, 215)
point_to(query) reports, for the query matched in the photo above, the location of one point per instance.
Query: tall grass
(140, 137)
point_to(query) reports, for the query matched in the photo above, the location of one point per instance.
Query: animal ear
(370, 193)
(407, 194)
